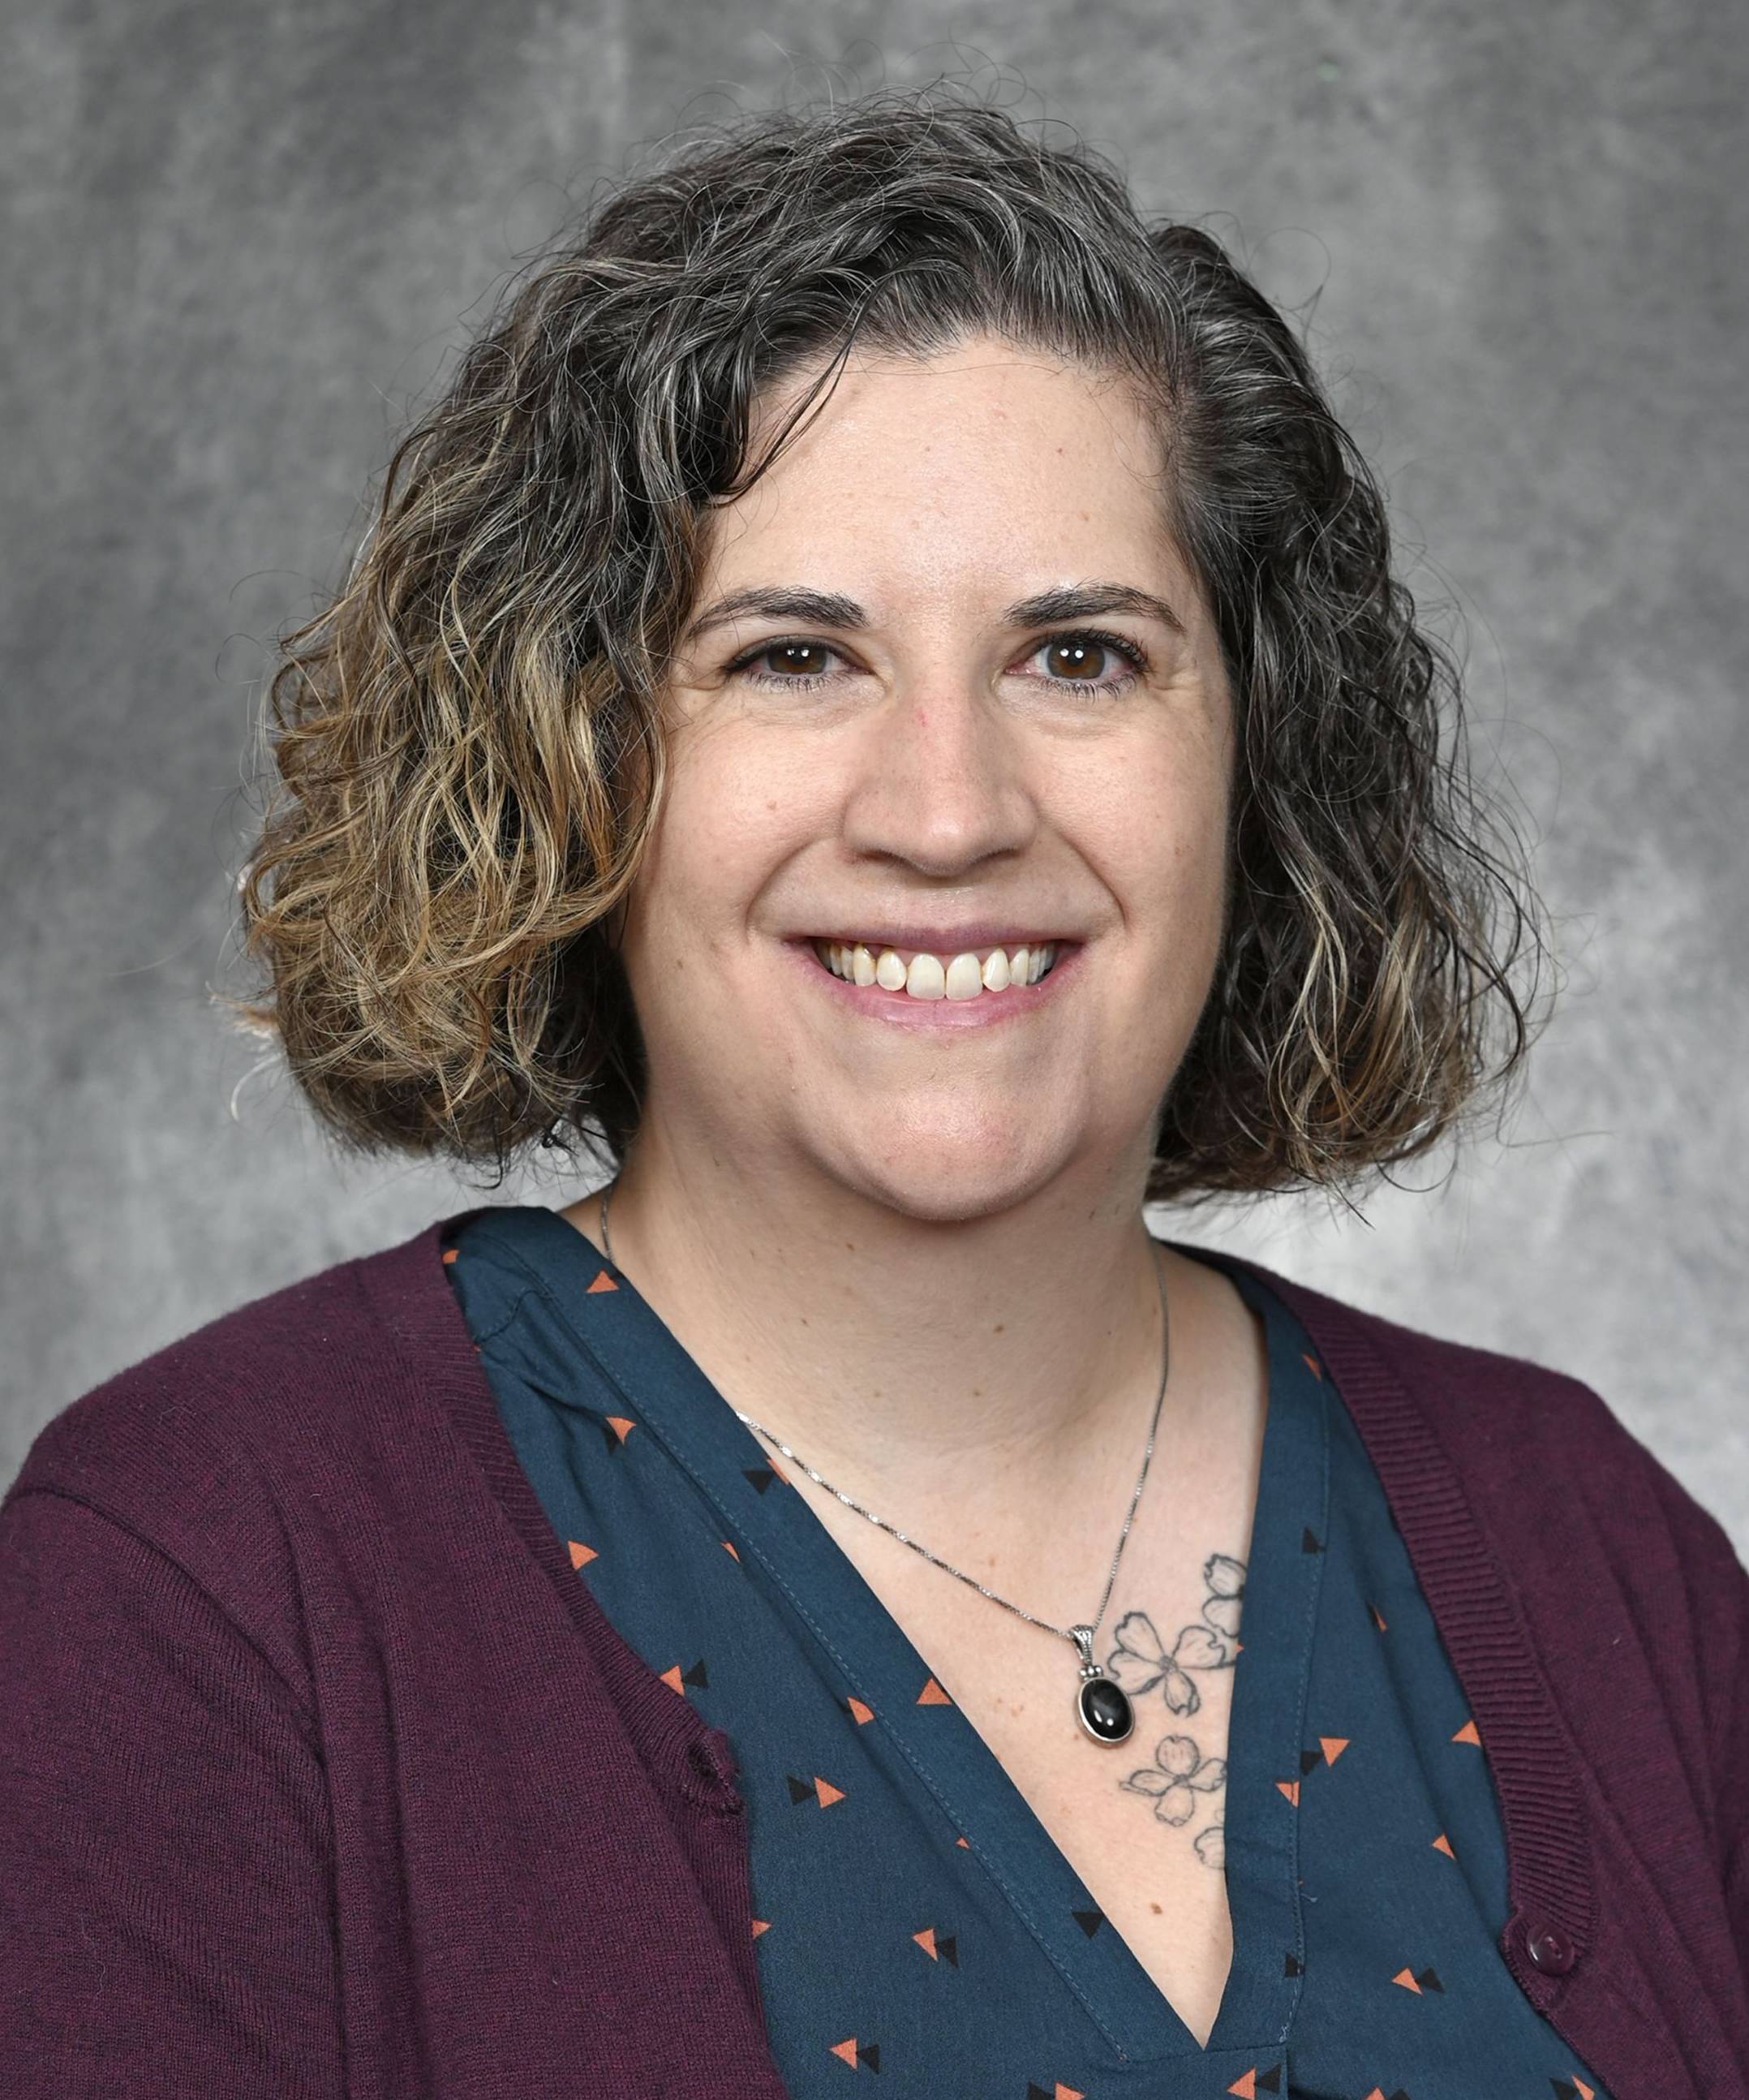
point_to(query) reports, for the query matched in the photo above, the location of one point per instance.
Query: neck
(918, 1366)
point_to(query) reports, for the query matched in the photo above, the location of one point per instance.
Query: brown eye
(1096, 661)
(787, 667)
(794, 659)
(1074, 660)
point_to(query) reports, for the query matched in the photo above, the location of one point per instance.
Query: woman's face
(906, 722)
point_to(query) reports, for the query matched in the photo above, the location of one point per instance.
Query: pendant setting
(1102, 1706)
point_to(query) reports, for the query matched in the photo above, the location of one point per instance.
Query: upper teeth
(930, 976)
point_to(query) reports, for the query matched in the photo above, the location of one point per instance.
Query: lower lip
(898, 1009)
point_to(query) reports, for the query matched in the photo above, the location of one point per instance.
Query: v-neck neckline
(664, 1387)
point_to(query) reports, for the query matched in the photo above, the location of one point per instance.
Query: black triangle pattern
(1294, 1966)
(696, 1676)
(1269, 2080)
(1310, 1542)
(1089, 1920)
(761, 1476)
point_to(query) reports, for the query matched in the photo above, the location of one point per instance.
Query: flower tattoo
(1141, 1659)
(1178, 1774)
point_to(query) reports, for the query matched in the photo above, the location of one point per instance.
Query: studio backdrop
(244, 242)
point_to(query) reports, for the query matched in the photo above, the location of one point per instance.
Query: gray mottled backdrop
(241, 238)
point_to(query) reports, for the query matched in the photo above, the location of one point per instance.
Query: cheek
(1156, 832)
(731, 816)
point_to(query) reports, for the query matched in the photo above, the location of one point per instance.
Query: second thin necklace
(1102, 1705)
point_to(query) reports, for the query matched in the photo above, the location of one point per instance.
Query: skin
(914, 1251)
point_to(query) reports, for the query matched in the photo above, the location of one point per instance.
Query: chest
(1140, 1822)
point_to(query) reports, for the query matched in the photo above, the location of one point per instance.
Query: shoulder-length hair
(469, 737)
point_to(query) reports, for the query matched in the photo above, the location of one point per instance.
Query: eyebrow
(829, 609)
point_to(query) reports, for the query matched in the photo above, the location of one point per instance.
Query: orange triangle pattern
(1312, 1365)
(849, 2051)
(966, 1841)
(1585, 2091)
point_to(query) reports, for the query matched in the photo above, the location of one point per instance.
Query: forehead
(956, 471)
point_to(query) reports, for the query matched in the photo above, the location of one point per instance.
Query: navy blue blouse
(915, 1921)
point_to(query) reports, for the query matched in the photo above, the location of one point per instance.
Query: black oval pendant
(1105, 1709)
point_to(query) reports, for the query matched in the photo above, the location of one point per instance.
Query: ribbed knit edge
(1479, 1622)
(406, 1283)
(1550, 1878)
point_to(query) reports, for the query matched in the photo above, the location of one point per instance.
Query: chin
(947, 1180)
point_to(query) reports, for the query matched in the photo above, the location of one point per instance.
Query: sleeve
(1734, 1809)
(1718, 1585)
(1724, 1584)
(165, 1864)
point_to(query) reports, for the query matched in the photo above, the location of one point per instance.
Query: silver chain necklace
(1102, 1705)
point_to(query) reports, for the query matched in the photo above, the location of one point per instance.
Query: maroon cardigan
(321, 1774)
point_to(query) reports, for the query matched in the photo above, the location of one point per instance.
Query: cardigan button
(710, 1759)
(1551, 1950)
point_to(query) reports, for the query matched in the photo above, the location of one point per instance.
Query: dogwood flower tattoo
(1141, 1659)
(1178, 1774)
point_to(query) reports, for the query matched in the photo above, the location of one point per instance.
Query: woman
(877, 698)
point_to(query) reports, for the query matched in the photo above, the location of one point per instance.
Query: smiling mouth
(915, 973)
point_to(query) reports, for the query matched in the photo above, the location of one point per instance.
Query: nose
(940, 781)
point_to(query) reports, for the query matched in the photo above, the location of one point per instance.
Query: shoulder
(1593, 1535)
(213, 1450)
(1491, 1414)
(210, 1394)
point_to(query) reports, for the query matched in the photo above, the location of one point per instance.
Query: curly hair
(469, 736)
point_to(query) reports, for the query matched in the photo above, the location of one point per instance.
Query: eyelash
(802, 682)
